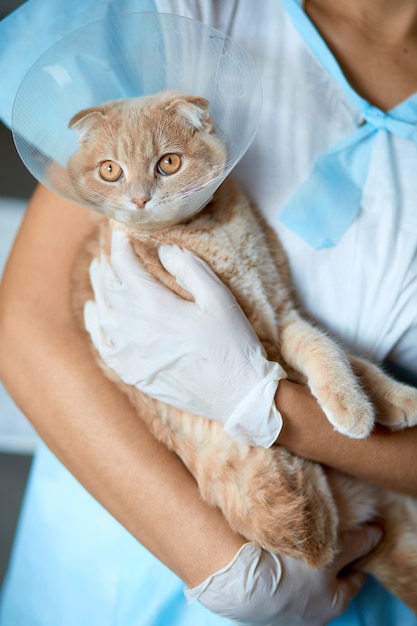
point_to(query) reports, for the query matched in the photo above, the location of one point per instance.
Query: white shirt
(364, 289)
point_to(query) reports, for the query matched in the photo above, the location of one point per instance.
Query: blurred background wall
(17, 439)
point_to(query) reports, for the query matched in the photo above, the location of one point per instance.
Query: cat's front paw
(348, 409)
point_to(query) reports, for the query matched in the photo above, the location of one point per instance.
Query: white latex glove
(202, 357)
(258, 588)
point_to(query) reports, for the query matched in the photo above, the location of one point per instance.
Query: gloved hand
(258, 588)
(202, 357)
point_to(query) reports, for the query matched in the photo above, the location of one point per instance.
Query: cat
(137, 153)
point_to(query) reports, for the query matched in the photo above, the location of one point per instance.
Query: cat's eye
(110, 171)
(169, 164)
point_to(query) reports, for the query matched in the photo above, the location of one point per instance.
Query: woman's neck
(375, 43)
(392, 19)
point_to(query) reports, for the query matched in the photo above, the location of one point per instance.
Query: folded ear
(85, 121)
(194, 109)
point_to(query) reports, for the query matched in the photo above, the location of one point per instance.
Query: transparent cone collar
(130, 59)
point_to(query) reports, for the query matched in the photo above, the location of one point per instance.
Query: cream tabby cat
(136, 153)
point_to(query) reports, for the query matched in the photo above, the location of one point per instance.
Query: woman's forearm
(49, 369)
(385, 458)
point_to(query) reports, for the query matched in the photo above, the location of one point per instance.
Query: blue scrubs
(74, 565)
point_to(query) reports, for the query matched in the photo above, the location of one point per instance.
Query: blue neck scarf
(326, 204)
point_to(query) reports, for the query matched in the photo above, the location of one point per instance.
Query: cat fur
(272, 497)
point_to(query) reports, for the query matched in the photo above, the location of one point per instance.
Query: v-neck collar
(405, 110)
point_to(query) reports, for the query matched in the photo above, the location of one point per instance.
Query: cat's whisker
(143, 236)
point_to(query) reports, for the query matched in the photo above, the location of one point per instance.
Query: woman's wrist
(300, 412)
(385, 458)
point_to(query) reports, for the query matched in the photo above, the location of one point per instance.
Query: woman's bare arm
(47, 366)
(385, 458)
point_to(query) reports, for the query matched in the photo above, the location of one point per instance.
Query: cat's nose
(140, 202)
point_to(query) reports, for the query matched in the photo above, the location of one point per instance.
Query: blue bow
(327, 203)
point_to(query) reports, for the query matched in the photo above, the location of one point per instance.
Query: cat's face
(146, 155)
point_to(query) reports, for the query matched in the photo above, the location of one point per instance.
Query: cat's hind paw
(398, 407)
(395, 403)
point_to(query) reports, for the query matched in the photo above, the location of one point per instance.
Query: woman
(91, 428)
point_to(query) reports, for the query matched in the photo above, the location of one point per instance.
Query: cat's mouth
(156, 214)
